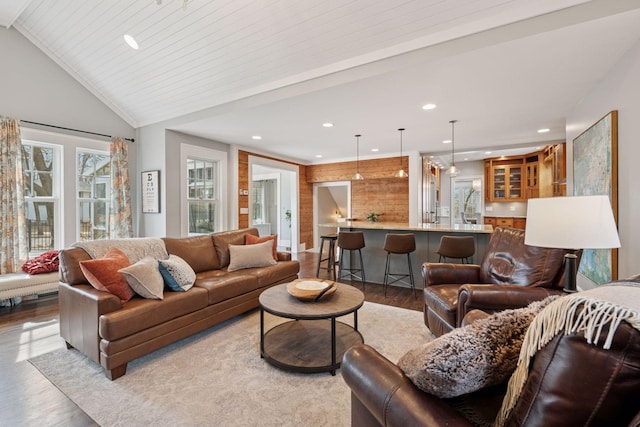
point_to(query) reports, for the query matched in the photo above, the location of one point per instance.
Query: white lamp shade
(581, 222)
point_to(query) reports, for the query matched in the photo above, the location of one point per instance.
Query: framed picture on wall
(150, 191)
(595, 172)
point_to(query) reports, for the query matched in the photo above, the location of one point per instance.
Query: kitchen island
(427, 242)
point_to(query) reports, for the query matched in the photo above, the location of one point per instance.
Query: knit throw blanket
(605, 306)
(134, 248)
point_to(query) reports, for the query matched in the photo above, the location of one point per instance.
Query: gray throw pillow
(467, 359)
(248, 256)
(145, 278)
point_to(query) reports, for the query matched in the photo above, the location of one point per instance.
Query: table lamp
(573, 223)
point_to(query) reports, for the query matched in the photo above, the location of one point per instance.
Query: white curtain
(13, 221)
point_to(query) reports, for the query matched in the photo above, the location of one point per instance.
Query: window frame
(56, 191)
(92, 200)
(219, 158)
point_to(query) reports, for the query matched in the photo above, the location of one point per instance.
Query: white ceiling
(229, 69)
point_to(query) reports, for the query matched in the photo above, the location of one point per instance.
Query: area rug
(217, 378)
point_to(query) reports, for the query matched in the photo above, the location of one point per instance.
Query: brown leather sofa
(111, 333)
(570, 383)
(511, 275)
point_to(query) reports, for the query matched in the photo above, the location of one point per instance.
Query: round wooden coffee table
(302, 344)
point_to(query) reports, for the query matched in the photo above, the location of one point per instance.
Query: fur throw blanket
(585, 312)
(467, 359)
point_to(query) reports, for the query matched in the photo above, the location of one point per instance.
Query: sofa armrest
(389, 396)
(80, 309)
(493, 298)
(284, 256)
(443, 273)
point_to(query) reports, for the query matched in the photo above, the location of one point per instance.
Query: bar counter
(427, 242)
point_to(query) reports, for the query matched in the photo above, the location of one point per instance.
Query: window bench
(14, 285)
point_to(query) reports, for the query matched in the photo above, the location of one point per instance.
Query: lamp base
(570, 272)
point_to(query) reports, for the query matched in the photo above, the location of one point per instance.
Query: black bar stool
(331, 256)
(399, 244)
(459, 247)
(351, 241)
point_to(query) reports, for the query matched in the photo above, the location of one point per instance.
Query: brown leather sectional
(570, 383)
(111, 333)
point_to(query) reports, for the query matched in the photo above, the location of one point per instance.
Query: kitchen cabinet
(532, 176)
(510, 222)
(506, 182)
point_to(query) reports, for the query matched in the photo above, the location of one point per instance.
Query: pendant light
(453, 170)
(401, 173)
(357, 176)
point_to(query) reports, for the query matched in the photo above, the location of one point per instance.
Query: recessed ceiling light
(446, 141)
(466, 158)
(375, 149)
(545, 130)
(538, 148)
(318, 156)
(431, 157)
(487, 152)
(133, 44)
(327, 125)
(429, 106)
(256, 137)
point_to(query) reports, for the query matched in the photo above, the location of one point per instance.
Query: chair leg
(386, 274)
(332, 260)
(340, 265)
(320, 259)
(361, 269)
(413, 286)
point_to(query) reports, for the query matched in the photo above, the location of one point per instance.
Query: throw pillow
(467, 359)
(250, 239)
(102, 274)
(144, 278)
(46, 262)
(247, 256)
(177, 274)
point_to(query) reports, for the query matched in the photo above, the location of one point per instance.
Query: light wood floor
(31, 328)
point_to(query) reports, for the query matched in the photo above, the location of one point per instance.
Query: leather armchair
(570, 383)
(511, 275)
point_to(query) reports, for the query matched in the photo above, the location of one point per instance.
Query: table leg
(355, 320)
(261, 333)
(333, 344)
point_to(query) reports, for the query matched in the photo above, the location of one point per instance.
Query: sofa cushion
(226, 286)
(102, 274)
(283, 270)
(141, 314)
(222, 240)
(250, 239)
(144, 278)
(247, 256)
(197, 251)
(470, 358)
(177, 274)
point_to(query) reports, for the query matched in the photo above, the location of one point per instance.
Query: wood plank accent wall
(343, 171)
(305, 196)
(379, 192)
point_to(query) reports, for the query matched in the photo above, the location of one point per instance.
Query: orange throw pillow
(102, 274)
(250, 239)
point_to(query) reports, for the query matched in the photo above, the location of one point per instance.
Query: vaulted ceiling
(231, 69)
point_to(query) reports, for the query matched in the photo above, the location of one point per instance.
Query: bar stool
(399, 244)
(459, 247)
(351, 241)
(331, 256)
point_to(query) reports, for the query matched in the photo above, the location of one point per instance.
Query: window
(93, 188)
(41, 166)
(202, 196)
